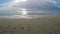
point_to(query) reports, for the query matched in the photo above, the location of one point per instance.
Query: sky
(13, 8)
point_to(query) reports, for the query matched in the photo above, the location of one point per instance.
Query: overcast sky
(12, 7)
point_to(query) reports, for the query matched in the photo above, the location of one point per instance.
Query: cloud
(16, 5)
(30, 4)
(11, 8)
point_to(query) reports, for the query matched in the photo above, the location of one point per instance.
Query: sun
(23, 0)
(20, 0)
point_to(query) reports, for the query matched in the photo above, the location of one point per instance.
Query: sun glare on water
(24, 12)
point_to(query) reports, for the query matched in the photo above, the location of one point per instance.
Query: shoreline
(29, 17)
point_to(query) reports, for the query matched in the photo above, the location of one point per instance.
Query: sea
(29, 14)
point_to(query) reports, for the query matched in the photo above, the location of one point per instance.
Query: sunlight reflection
(23, 13)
